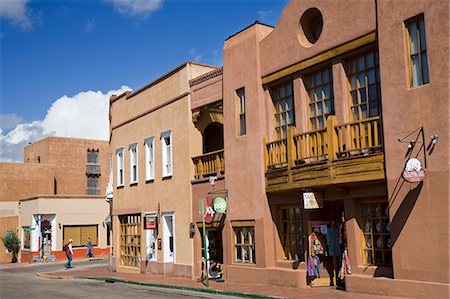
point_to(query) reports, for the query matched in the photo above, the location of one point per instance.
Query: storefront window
(291, 233)
(26, 238)
(376, 234)
(244, 243)
(130, 240)
(80, 233)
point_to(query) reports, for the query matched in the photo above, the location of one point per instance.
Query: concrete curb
(185, 288)
(52, 276)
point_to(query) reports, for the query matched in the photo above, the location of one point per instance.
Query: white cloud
(196, 56)
(266, 15)
(89, 26)
(85, 115)
(10, 120)
(136, 8)
(16, 12)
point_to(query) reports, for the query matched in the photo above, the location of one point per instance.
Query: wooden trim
(151, 110)
(339, 50)
(242, 223)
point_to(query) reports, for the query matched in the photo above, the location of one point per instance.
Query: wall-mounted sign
(209, 212)
(220, 205)
(413, 172)
(312, 200)
(150, 221)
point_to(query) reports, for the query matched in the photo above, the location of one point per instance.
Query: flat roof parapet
(205, 77)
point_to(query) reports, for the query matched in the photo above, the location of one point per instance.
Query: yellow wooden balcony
(209, 164)
(336, 154)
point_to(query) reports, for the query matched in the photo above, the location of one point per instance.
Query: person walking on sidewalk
(69, 253)
(89, 252)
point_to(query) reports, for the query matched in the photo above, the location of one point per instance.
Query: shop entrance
(214, 252)
(326, 241)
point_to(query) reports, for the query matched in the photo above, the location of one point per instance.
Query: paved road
(21, 281)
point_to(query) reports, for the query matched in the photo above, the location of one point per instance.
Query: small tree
(12, 243)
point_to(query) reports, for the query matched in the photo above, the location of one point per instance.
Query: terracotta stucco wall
(172, 194)
(282, 47)
(421, 211)
(244, 154)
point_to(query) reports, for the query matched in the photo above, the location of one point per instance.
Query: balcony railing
(209, 164)
(335, 142)
(92, 168)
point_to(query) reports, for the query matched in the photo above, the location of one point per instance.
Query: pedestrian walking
(69, 253)
(89, 252)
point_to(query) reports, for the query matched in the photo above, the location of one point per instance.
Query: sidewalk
(225, 288)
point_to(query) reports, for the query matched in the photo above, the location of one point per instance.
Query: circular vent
(311, 24)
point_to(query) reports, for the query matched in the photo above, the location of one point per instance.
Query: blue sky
(60, 60)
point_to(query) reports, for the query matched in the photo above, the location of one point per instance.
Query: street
(21, 281)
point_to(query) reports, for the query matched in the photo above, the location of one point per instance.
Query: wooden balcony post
(332, 138)
(266, 154)
(200, 168)
(290, 147)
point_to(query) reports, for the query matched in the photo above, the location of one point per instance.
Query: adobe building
(54, 196)
(153, 138)
(345, 147)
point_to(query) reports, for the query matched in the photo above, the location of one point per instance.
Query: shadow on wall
(403, 212)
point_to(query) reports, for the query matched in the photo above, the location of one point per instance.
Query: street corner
(53, 275)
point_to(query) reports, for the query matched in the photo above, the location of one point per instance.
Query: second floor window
(242, 110)
(319, 86)
(92, 186)
(150, 158)
(418, 61)
(133, 163)
(119, 161)
(283, 101)
(364, 77)
(92, 157)
(166, 140)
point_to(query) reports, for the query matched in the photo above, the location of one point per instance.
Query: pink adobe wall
(282, 48)
(206, 92)
(61, 158)
(421, 252)
(244, 154)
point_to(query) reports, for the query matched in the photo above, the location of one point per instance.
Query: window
(130, 240)
(284, 109)
(418, 62)
(291, 233)
(92, 157)
(79, 234)
(92, 186)
(244, 242)
(376, 234)
(150, 158)
(26, 237)
(166, 139)
(133, 163)
(119, 156)
(319, 86)
(364, 77)
(242, 110)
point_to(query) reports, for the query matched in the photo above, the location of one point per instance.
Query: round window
(311, 24)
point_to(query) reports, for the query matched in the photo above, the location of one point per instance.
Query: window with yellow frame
(291, 233)
(364, 77)
(319, 86)
(283, 101)
(130, 240)
(376, 236)
(244, 242)
(417, 46)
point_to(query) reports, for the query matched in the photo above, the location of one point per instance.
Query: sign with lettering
(312, 200)
(150, 221)
(413, 172)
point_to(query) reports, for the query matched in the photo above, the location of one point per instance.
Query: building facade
(49, 193)
(340, 131)
(152, 141)
(333, 130)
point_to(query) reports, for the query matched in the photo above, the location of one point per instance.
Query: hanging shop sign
(150, 221)
(220, 205)
(312, 200)
(413, 172)
(209, 212)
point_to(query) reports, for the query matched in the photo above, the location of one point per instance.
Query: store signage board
(312, 200)
(413, 172)
(150, 221)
